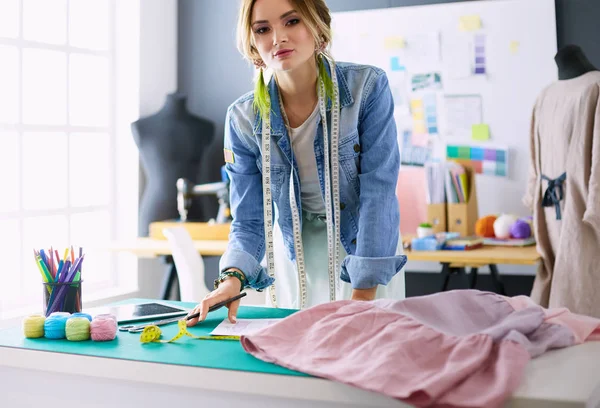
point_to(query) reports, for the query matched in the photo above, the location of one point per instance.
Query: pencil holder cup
(62, 297)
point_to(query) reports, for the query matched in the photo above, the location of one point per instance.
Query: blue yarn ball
(87, 316)
(54, 327)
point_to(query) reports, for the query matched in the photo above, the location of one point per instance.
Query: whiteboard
(520, 45)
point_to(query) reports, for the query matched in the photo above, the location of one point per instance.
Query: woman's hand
(227, 289)
(364, 294)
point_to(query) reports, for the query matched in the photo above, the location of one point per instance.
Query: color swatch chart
(480, 54)
(483, 160)
(424, 113)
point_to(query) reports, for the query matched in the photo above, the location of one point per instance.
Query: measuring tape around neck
(331, 189)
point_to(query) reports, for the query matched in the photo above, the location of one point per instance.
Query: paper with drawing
(242, 327)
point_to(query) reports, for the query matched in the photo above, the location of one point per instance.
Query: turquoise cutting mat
(222, 354)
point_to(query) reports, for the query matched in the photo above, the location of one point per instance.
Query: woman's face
(283, 40)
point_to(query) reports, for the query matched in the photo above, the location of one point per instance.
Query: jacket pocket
(349, 153)
(277, 177)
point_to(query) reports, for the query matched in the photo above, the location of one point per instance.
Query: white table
(562, 378)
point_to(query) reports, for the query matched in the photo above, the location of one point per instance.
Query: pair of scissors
(140, 328)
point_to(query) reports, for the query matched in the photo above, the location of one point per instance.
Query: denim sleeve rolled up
(246, 238)
(375, 261)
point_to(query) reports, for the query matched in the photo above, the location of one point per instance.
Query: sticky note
(480, 132)
(416, 104)
(395, 64)
(420, 128)
(514, 47)
(391, 43)
(470, 23)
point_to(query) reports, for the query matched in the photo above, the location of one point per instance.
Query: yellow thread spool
(33, 326)
(152, 334)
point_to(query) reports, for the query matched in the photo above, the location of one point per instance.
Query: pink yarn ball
(520, 230)
(103, 328)
(105, 316)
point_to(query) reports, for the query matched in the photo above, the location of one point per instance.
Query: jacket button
(357, 148)
(354, 241)
(342, 206)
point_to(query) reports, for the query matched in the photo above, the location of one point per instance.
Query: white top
(303, 144)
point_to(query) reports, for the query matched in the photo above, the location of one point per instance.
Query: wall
(213, 74)
(158, 77)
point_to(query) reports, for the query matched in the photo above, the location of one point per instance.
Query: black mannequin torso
(572, 62)
(171, 144)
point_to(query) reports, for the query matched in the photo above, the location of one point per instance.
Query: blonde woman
(313, 161)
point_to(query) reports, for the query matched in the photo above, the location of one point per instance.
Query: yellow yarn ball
(33, 326)
(77, 329)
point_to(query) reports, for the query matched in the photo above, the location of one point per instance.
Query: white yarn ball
(502, 225)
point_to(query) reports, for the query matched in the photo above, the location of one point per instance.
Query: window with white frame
(58, 141)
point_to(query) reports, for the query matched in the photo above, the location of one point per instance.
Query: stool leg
(496, 279)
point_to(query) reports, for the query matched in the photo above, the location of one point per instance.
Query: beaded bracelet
(226, 274)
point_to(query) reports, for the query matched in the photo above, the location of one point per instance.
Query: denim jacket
(369, 164)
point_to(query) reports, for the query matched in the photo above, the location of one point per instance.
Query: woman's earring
(320, 48)
(258, 63)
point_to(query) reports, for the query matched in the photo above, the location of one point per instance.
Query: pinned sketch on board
(462, 112)
(492, 161)
(411, 154)
(466, 56)
(399, 89)
(458, 57)
(422, 50)
(427, 81)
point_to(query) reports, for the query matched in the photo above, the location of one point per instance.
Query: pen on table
(218, 305)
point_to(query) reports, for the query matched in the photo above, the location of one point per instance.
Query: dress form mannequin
(572, 62)
(171, 144)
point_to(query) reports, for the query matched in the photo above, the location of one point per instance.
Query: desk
(457, 261)
(453, 262)
(125, 373)
(152, 248)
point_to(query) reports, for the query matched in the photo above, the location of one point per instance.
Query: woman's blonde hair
(315, 14)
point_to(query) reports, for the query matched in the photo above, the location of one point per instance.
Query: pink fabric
(584, 328)
(452, 349)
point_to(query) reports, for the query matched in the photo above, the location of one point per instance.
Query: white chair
(189, 265)
(190, 269)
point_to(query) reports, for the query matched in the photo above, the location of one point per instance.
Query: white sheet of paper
(459, 56)
(423, 50)
(462, 112)
(242, 327)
